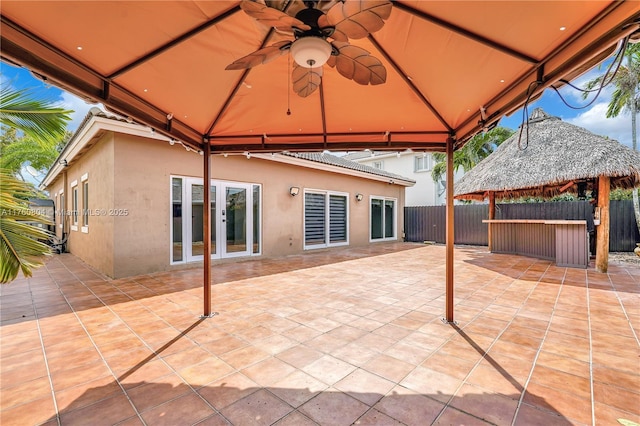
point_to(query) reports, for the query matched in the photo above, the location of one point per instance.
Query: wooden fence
(427, 223)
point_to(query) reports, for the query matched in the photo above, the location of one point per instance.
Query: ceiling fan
(310, 49)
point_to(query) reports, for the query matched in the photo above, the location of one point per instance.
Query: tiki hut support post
(206, 228)
(449, 233)
(602, 233)
(492, 214)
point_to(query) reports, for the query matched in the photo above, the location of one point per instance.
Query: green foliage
(561, 197)
(621, 194)
(43, 127)
(20, 243)
(626, 96)
(616, 194)
(474, 151)
(36, 117)
(40, 154)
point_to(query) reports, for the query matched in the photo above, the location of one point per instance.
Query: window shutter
(314, 218)
(337, 218)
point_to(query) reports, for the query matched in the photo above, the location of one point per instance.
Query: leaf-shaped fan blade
(272, 17)
(323, 22)
(358, 65)
(357, 18)
(306, 80)
(262, 56)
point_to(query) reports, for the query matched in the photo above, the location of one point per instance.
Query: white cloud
(595, 120)
(79, 107)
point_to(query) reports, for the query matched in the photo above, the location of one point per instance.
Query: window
(176, 219)
(378, 165)
(61, 213)
(383, 218)
(85, 203)
(256, 219)
(74, 205)
(326, 217)
(422, 163)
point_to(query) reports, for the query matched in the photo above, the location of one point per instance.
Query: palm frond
(21, 246)
(38, 118)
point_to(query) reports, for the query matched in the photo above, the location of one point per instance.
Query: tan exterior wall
(130, 178)
(95, 246)
(143, 170)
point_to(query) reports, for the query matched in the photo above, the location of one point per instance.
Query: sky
(592, 118)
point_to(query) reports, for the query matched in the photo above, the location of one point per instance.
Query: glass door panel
(197, 218)
(235, 221)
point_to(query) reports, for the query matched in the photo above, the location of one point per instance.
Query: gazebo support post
(602, 233)
(449, 233)
(492, 215)
(206, 229)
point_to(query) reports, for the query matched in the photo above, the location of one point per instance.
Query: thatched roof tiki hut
(549, 157)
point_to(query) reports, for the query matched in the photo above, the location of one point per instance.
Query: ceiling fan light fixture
(311, 51)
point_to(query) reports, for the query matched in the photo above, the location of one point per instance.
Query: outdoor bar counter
(565, 241)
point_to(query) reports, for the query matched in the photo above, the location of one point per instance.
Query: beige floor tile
(364, 386)
(409, 407)
(322, 328)
(268, 371)
(334, 408)
(259, 408)
(297, 388)
(328, 369)
(388, 367)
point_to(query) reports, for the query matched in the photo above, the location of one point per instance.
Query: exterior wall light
(359, 197)
(294, 190)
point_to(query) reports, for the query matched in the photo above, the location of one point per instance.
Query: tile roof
(334, 160)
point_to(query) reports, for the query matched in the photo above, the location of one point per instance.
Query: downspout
(64, 212)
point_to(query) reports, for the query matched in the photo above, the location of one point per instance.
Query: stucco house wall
(425, 192)
(130, 176)
(94, 244)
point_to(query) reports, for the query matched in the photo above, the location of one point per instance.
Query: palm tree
(20, 150)
(20, 243)
(38, 118)
(21, 246)
(474, 151)
(625, 98)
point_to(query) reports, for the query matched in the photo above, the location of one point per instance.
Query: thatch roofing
(554, 155)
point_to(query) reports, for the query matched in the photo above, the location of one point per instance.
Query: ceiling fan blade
(357, 18)
(306, 80)
(323, 22)
(357, 64)
(272, 17)
(261, 56)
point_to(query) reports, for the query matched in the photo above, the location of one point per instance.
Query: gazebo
(451, 70)
(547, 157)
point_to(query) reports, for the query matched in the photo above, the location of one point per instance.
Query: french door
(232, 219)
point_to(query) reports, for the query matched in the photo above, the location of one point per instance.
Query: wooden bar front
(564, 241)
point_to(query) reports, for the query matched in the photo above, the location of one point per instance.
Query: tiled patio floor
(343, 337)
